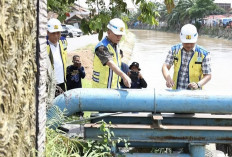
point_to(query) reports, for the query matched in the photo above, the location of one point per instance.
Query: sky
(223, 1)
(129, 3)
(82, 3)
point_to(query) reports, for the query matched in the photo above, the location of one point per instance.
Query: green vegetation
(117, 8)
(149, 12)
(187, 11)
(61, 7)
(58, 144)
(97, 23)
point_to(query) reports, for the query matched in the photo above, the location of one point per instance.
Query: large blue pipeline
(131, 100)
(165, 101)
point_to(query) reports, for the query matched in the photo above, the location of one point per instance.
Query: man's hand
(126, 81)
(119, 72)
(193, 85)
(79, 65)
(169, 82)
(165, 70)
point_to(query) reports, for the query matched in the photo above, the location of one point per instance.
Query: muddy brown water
(151, 48)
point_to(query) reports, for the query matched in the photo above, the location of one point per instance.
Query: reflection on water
(151, 48)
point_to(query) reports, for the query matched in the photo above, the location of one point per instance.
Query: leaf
(137, 2)
(102, 127)
(100, 35)
(112, 133)
(99, 137)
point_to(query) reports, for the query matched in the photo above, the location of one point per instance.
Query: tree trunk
(22, 89)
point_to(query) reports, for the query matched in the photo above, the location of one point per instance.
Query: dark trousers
(61, 88)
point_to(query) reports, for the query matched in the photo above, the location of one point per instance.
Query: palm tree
(180, 14)
(202, 8)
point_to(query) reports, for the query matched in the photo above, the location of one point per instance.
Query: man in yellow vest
(107, 60)
(192, 69)
(57, 52)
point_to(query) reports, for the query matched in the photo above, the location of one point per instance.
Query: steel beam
(168, 119)
(172, 134)
(154, 145)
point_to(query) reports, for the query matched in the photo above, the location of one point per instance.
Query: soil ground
(86, 56)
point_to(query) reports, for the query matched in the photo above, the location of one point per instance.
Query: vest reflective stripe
(63, 47)
(95, 79)
(106, 77)
(96, 73)
(195, 64)
(110, 77)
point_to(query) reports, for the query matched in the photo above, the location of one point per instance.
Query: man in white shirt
(56, 48)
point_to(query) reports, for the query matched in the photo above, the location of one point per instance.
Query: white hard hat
(117, 26)
(188, 34)
(54, 25)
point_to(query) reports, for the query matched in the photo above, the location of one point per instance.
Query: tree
(116, 8)
(202, 8)
(169, 4)
(180, 14)
(188, 10)
(100, 14)
(61, 7)
(162, 9)
(149, 13)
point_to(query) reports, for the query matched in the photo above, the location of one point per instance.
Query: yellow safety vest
(63, 51)
(103, 76)
(195, 64)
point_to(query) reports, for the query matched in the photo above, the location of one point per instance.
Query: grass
(59, 145)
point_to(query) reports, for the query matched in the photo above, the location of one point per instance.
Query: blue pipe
(154, 155)
(131, 100)
(197, 150)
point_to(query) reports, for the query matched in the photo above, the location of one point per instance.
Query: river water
(151, 48)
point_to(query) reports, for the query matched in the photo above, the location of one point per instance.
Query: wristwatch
(198, 85)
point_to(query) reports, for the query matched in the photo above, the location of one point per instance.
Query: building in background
(77, 14)
(225, 4)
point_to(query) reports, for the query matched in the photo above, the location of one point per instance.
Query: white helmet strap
(121, 29)
(113, 26)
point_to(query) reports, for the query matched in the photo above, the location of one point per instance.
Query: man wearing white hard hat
(107, 60)
(192, 69)
(57, 52)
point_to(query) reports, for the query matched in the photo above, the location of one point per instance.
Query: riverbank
(213, 32)
(217, 32)
(87, 53)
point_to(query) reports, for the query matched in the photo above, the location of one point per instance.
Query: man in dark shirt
(75, 73)
(137, 79)
(125, 69)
